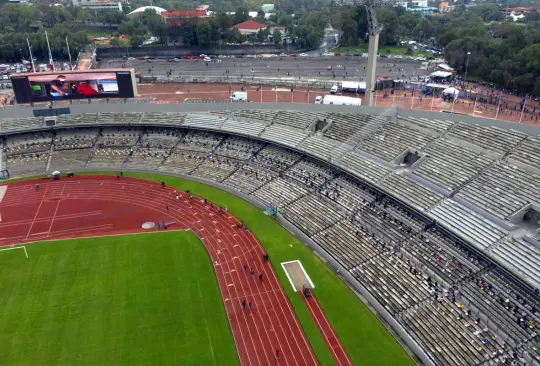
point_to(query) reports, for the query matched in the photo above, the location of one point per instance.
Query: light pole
(467, 65)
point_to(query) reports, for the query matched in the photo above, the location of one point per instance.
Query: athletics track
(85, 206)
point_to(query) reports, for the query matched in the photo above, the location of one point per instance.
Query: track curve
(105, 205)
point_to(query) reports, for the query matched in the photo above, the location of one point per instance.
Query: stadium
(415, 234)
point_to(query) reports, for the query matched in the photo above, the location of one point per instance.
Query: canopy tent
(453, 92)
(440, 74)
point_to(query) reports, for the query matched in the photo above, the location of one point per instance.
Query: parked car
(207, 59)
(337, 54)
(251, 56)
(348, 54)
(303, 55)
(283, 54)
(194, 57)
(293, 54)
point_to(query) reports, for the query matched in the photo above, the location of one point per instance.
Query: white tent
(451, 92)
(440, 74)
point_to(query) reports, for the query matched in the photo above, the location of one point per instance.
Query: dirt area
(179, 93)
(297, 275)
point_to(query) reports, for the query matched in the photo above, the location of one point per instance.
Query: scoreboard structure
(77, 84)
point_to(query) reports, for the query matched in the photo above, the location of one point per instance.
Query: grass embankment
(145, 299)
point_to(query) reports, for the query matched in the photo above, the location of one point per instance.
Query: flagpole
(69, 54)
(51, 62)
(523, 108)
(498, 105)
(31, 57)
(261, 91)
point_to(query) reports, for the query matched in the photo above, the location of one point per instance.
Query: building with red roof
(249, 27)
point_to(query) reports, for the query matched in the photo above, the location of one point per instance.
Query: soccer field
(146, 299)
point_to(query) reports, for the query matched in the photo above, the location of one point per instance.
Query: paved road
(352, 68)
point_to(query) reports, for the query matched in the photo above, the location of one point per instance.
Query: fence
(285, 82)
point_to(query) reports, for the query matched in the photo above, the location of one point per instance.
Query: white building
(100, 4)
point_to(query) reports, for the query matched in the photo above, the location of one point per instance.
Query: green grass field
(365, 338)
(146, 299)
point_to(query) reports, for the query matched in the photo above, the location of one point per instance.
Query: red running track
(327, 331)
(105, 205)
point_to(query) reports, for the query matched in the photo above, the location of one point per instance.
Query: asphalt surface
(344, 68)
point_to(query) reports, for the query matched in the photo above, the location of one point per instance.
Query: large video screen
(66, 85)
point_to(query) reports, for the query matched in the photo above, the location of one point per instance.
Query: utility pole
(467, 65)
(374, 29)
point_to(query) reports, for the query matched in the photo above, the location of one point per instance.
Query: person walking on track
(250, 306)
(252, 273)
(260, 276)
(277, 354)
(163, 184)
(244, 304)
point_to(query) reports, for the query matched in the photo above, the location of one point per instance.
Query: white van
(334, 89)
(318, 99)
(239, 97)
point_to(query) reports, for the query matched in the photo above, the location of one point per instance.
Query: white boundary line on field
(303, 270)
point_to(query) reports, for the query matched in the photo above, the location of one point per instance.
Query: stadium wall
(119, 107)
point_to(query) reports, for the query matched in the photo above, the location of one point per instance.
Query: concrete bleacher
(67, 160)
(363, 167)
(160, 138)
(347, 193)
(409, 190)
(345, 125)
(310, 173)
(491, 138)
(200, 141)
(472, 227)
(283, 135)
(238, 148)
(502, 190)
(297, 120)
(146, 158)
(182, 161)
(250, 177)
(391, 281)
(217, 168)
(486, 301)
(115, 118)
(108, 157)
(84, 119)
(75, 139)
(203, 121)
(156, 118)
(313, 214)
(119, 137)
(27, 163)
(528, 152)
(260, 117)
(349, 245)
(426, 123)
(393, 139)
(521, 257)
(280, 192)
(243, 127)
(28, 143)
(318, 146)
(450, 165)
(276, 158)
(449, 336)
(20, 124)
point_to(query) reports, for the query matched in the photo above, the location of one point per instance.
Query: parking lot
(293, 67)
